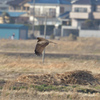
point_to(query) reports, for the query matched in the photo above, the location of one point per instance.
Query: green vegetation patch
(48, 88)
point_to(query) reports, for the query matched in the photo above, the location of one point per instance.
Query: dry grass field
(82, 45)
(25, 77)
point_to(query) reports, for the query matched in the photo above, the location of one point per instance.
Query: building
(4, 7)
(18, 5)
(14, 17)
(19, 17)
(51, 9)
(82, 10)
(96, 12)
(19, 10)
(7, 30)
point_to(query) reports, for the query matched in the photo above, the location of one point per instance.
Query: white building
(50, 8)
(82, 10)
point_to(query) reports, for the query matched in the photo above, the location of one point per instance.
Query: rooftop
(51, 2)
(97, 2)
(17, 2)
(14, 14)
(65, 15)
(85, 2)
(11, 25)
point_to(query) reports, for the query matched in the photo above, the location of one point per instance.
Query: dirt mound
(37, 79)
(77, 77)
(97, 77)
(73, 77)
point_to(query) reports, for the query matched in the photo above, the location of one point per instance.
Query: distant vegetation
(91, 24)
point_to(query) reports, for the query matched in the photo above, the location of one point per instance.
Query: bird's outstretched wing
(40, 46)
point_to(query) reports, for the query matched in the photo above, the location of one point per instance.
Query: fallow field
(71, 70)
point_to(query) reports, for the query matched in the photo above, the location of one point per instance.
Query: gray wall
(67, 32)
(89, 33)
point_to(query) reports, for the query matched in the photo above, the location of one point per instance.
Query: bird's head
(37, 37)
(40, 39)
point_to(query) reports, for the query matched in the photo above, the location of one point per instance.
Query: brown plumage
(40, 46)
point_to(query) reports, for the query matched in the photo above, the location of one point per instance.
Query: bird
(41, 44)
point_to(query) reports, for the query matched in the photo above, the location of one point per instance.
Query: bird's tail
(52, 42)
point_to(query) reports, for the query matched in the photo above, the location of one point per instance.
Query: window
(52, 12)
(80, 10)
(27, 8)
(98, 9)
(37, 11)
(24, 8)
(3, 8)
(18, 8)
(61, 9)
(45, 11)
(94, 8)
(31, 11)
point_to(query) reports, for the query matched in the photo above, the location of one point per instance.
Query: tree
(89, 23)
(6, 17)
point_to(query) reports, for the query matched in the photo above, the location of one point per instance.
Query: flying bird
(41, 44)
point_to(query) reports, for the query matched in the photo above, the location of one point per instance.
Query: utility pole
(33, 16)
(45, 27)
